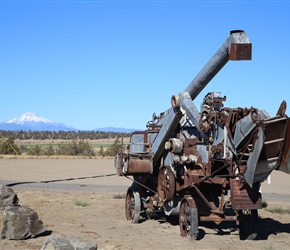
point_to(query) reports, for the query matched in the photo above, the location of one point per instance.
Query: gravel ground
(52, 187)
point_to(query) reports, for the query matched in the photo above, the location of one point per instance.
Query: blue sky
(93, 64)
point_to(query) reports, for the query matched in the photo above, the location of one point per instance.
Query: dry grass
(41, 142)
(119, 196)
(95, 144)
(278, 210)
(81, 204)
(25, 156)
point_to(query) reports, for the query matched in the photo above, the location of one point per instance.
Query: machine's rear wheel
(188, 218)
(132, 206)
(248, 220)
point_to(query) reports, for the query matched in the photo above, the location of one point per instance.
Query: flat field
(95, 144)
(84, 198)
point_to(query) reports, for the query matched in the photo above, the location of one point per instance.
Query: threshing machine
(207, 164)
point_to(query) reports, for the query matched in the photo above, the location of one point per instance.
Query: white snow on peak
(28, 117)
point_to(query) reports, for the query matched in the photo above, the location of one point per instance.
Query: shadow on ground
(266, 226)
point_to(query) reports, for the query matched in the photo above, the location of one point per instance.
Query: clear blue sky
(93, 64)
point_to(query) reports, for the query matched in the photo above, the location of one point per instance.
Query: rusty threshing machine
(207, 164)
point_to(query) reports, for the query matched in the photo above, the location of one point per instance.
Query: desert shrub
(69, 148)
(8, 146)
(49, 150)
(81, 204)
(81, 148)
(85, 148)
(35, 150)
(23, 149)
(114, 149)
(62, 135)
(101, 151)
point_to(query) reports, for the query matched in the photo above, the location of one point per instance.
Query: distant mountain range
(32, 122)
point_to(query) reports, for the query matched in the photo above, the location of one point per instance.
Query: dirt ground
(55, 187)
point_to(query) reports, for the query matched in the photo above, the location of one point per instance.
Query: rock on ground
(7, 197)
(71, 243)
(20, 223)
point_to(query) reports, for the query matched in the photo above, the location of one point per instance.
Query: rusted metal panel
(254, 157)
(139, 166)
(275, 132)
(190, 146)
(285, 159)
(240, 51)
(244, 197)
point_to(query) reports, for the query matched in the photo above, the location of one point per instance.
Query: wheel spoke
(132, 206)
(188, 218)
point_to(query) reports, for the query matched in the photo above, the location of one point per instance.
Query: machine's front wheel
(188, 218)
(132, 206)
(248, 220)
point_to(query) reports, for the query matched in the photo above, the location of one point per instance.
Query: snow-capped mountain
(33, 122)
(28, 117)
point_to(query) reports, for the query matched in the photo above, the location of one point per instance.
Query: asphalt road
(98, 175)
(60, 186)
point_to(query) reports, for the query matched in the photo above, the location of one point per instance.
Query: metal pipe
(236, 47)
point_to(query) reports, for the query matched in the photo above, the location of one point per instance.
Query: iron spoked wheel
(248, 220)
(132, 206)
(188, 218)
(166, 184)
